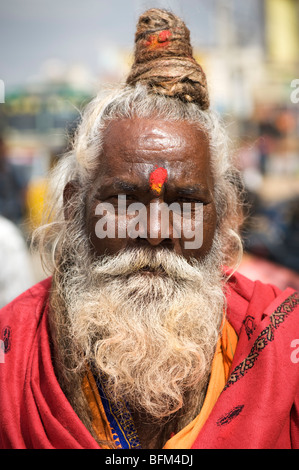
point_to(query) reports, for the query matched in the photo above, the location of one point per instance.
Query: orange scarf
(184, 439)
(222, 360)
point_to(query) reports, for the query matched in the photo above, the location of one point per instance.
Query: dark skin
(132, 149)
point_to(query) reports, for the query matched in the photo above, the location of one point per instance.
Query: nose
(159, 227)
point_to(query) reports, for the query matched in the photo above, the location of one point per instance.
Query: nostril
(167, 243)
(145, 242)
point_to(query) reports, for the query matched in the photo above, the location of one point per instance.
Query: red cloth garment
(34, 412)
(258, 408)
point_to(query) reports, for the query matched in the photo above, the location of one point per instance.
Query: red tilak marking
(161, 40)
(157, 178)
(164, 35)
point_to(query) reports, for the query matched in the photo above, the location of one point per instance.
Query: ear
(69, 192)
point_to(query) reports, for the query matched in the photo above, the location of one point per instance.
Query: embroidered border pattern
(250, 325)
(264, 338)
(119, 417)
(228, 417)
(6, 337)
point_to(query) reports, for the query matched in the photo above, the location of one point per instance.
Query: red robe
(258, 408)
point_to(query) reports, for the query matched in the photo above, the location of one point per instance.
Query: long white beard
(152, 335)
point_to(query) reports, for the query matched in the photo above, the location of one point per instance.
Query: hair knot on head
(164, 61)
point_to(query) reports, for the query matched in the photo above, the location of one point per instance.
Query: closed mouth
(154, 271)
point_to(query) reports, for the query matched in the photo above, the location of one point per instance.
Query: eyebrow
(124, 186)
(121, 185)
(190, 190)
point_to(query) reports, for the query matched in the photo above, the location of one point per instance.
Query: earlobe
(69, 192)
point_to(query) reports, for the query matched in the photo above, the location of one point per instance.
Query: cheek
(108, 228)
(102, 232)
(206, 227)
(209, 222)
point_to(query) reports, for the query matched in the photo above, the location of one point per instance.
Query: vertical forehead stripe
(157, 178)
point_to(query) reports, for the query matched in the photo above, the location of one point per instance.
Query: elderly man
(144, 335)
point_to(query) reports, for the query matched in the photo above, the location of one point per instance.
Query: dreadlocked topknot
(164, 61)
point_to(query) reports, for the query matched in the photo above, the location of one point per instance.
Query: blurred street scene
(56, 55)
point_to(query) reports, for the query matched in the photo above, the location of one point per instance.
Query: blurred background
(56, 54)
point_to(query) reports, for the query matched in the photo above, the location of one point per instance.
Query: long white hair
(81, 162)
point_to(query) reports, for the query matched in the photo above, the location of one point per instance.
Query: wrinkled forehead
(153, 134)
(138, 146)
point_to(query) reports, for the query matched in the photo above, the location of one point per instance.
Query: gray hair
(80, 164)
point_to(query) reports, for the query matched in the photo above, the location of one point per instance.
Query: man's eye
(184, 200)
(121, 197)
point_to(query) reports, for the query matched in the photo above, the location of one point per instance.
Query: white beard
(152, 335)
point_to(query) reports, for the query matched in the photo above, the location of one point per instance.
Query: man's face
(132, 150)
(140, 297)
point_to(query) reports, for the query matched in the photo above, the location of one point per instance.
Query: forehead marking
(157, 179)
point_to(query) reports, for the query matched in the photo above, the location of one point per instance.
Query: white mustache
(134, 261)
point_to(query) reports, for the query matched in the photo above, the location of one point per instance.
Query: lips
(151, 270)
